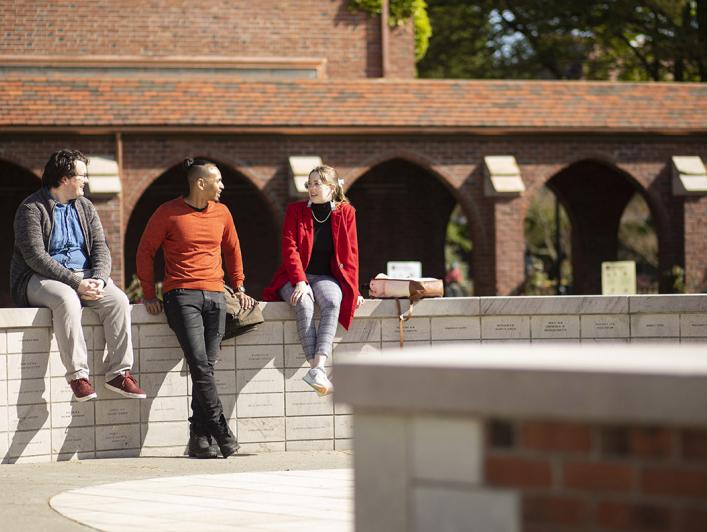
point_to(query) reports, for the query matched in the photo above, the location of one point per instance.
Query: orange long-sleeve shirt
(192, 242)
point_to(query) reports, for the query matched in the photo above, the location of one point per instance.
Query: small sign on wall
(618, 277)
(404, 269)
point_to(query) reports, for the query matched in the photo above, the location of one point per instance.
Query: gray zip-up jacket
(34, 221)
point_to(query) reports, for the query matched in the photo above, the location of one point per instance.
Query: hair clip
(341, 182)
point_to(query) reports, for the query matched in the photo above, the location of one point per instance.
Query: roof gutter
(100, 130)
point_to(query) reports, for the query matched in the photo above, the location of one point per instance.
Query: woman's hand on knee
(301, 289)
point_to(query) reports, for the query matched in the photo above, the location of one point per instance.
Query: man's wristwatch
(240, 289)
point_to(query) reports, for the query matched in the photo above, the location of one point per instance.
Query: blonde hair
(329, 176)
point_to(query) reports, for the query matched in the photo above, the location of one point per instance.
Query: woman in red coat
(319, 264)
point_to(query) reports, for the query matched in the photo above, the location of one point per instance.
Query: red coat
(297, 241)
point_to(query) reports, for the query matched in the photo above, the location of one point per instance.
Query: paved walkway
(271, 491)
(320, 500)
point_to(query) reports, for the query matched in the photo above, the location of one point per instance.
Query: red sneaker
(83, 391)
(126, 385)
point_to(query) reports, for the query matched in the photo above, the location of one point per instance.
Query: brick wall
(696, 243)
(582, 476)
(350, 42)
(496, 225)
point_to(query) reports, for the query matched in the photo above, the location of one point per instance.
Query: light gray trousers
(113, 311)
(327, 294)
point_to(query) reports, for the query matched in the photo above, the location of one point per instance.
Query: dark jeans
(198, 318)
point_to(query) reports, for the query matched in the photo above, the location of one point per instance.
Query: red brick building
(250, 85)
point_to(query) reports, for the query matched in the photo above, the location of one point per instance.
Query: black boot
(201, 445)
(225, 439)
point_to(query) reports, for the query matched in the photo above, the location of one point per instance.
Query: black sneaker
(225, 439)
(201, 446)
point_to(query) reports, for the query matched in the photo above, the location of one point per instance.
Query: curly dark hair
(60, 165)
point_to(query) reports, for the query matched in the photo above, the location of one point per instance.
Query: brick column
(109, 212)
(695, 244)
(510, 245)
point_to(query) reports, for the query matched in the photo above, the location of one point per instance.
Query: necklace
(318, 220)
(326, 217)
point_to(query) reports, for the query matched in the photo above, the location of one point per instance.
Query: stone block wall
(259, 374)
(540, 437)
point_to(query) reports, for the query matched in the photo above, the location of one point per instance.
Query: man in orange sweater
(193, 231)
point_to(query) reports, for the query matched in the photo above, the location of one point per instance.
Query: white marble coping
(531, 305)
(460, 306)
(668, 303)
(608, 383)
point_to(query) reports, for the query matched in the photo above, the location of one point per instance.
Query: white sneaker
(317, 379)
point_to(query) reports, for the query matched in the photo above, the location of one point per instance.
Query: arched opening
(548, 246)
(599, 200)
(458, 247)
(252, 214)
(638, 241)
(16, 183)
(403, 215)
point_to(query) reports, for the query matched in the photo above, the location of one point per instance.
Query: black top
(323, 247)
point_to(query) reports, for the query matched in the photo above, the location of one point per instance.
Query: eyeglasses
(82, 176)
(316, 184)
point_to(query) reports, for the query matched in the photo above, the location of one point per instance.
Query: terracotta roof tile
(61, 99)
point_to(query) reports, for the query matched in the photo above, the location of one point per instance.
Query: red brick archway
(403, 212)
(16, 183)
(595, 195)
(253, 214)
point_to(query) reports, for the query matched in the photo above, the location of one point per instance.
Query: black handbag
(238, 320)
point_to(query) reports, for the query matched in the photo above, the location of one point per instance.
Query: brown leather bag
(413, 289)
(238, 320)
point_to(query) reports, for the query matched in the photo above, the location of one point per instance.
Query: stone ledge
(554, 305)
(668, 303)
(621, 383)
(436, 307)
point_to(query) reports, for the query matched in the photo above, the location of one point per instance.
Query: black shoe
(201, 446)
(225, 439)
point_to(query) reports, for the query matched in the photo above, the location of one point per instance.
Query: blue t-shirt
(67, 244)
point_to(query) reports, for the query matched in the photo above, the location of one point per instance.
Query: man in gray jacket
(61, 261)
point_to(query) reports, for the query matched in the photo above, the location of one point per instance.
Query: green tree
(540, 229)
(458, 246)
(461, 45)
(660, 40)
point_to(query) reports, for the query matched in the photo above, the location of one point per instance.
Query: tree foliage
(540, 228)
(659, 40)
(458, 247)
(400, 11)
